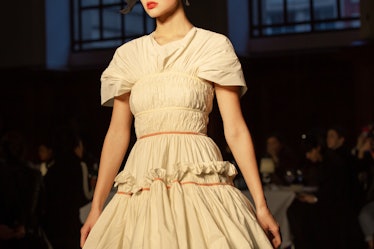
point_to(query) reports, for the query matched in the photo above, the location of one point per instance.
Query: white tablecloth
(278, 201)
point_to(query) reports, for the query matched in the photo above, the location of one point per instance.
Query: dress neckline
(175, 42)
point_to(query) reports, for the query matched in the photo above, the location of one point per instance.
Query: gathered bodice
(171, 101)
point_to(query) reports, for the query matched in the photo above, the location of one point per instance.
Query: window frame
(76, 26)
(257, 26)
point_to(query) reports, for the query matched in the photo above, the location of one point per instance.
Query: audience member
(363, 153)
(286, 161)
(336, 140)
(64, 192)
(88, 177)
(366, 219)
(365, 163)
(324, 219)
(46, 157)
(20, 197)
(340, 152)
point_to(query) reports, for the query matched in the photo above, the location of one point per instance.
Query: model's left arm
(240, 142)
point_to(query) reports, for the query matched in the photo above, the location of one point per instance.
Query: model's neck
(174, 25)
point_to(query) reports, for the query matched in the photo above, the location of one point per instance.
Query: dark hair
(371, 133)
(277, 135)
(311, 141)
(13, 145)
(339, 130)
(65, 141)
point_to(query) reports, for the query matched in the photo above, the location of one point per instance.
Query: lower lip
(151, 5)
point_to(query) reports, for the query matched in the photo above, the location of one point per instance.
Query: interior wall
(23, 28)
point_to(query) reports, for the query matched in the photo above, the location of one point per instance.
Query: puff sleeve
(222, 65)
(117, 78)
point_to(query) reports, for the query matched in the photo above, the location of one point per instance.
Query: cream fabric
(175, 191)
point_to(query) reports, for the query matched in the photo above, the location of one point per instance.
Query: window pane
(112, 22)
(280, 17)
(76, 28)
(90, 24)
(272, 12)
(298, 10)
(134, 21)
(350, 8)
(151, 25)
(102, 44)
(86, 3)
(112, 2)
(325, 9)
(100, 25)
(254, 12)
(337, 25)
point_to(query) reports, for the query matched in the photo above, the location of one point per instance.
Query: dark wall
(23, 33)
(209, 14)
(37, 102)
(303, 92)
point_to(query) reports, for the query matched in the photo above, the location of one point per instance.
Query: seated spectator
(363, 153)
(88, 177)
(285, 160)
(336, 140)
(64, 192)
(20, 197)
(46, 157)
(324, 219)
(339, 151)
(366, 219)
(365, 163)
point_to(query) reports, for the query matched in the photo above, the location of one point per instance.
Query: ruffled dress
(175, 191)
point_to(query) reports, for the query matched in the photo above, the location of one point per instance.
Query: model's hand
(89, 223)
(20, 232)
(270, 226)
(6, 233)
(308, 198)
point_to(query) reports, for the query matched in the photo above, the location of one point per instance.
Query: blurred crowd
(40, 199)
(339, 211)
(333, 182)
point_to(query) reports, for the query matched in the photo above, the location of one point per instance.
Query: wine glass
(289, 176)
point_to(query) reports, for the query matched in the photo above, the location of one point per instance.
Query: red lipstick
(151, 5)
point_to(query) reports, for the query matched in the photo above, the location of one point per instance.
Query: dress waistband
(171, 132)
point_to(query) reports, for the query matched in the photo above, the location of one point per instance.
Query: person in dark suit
(64, 192)
(364, 153)
(324, 219)
(285, 159)
(20, 196)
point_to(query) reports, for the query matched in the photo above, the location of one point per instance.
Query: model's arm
(240, 142)
(114, 148)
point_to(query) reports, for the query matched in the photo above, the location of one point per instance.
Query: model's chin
(151, 13)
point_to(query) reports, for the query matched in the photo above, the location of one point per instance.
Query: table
(278, 200)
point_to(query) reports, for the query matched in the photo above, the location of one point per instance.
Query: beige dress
(175, 191)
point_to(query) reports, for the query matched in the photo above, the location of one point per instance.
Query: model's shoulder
(134, 43)
(213, 40)
(208, 34)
